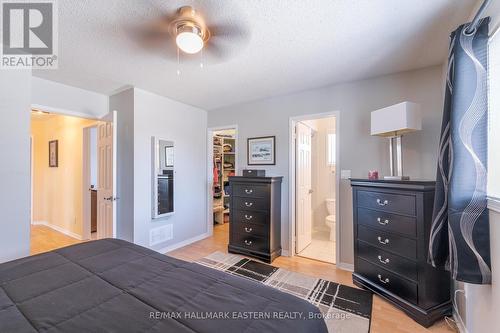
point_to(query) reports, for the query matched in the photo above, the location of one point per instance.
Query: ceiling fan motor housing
(188, 20)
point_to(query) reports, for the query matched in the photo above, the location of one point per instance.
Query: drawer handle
(248, 191)
(384, 222)
(385, 261)
(248, 204)
(248, 217)
(247, 242)
(386, 280)
(248, 229)
(385, 241)
(382, 203)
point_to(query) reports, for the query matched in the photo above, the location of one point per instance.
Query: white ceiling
(291, 45)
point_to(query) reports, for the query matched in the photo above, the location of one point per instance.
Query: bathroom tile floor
(321, 247)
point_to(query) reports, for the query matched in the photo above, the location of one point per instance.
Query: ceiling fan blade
(229, 31)
(226, 41)
(214, 54)
(152, 35)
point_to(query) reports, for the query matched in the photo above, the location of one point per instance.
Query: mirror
(163, 178)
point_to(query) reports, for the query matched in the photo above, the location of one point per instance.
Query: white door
(106, 172)
(303, 186)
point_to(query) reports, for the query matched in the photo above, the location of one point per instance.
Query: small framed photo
(53, 153)
(261, 151)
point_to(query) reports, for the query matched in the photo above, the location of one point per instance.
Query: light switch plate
(345, 174)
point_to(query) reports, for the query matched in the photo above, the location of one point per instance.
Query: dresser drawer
(250, 190)
(250, 229)
(387, 202)
(399, 245)
(250, 204)
(388, 222)
(250, 217)
(250, 242)
(389, 281)
(387, 260)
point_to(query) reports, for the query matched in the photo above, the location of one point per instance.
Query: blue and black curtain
(459, 237)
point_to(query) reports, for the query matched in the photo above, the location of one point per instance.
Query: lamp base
(396, 177)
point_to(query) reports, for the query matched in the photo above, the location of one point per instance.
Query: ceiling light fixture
(190, 30)
(189, 39)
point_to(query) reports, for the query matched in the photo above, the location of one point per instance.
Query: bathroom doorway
(315, 179)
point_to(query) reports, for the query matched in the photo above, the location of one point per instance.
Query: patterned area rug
(345, 309)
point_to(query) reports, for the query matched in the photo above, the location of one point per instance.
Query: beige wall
(57, 192)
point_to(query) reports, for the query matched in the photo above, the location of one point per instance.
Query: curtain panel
(459, 237)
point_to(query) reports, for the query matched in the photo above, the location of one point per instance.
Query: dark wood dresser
(392, 221)
(255, 217)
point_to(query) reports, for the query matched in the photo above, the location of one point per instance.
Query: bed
(112, 285)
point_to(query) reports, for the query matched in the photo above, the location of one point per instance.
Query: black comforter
(115, 286)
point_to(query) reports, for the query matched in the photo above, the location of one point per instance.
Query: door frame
(210, 171)
(292, 188)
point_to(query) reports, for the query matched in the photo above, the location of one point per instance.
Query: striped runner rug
(345, 309)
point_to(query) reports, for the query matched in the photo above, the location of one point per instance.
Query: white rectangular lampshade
(396, 119)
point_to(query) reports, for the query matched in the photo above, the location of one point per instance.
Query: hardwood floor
(45, 239)
(385, 317)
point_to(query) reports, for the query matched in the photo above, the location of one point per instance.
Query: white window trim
(494, 204)
(493, 128)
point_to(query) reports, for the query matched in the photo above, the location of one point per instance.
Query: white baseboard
(183, 243)
(346, 266)
(59, 229)
(285, 253)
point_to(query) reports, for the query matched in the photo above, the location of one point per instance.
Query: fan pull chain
(201, 58)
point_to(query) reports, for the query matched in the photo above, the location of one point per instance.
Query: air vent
(160, 234)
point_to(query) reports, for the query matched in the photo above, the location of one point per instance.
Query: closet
(224, 165)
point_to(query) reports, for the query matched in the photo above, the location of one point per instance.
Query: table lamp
(392, 122)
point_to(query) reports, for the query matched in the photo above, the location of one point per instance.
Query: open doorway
(72, 180)
(315, 187)
(223, 161)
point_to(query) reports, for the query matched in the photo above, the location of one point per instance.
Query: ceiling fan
(185, 32)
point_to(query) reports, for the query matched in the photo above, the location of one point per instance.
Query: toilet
(330, 219)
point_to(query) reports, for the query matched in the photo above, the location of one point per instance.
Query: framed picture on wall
(261, 150)
(53, 153)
